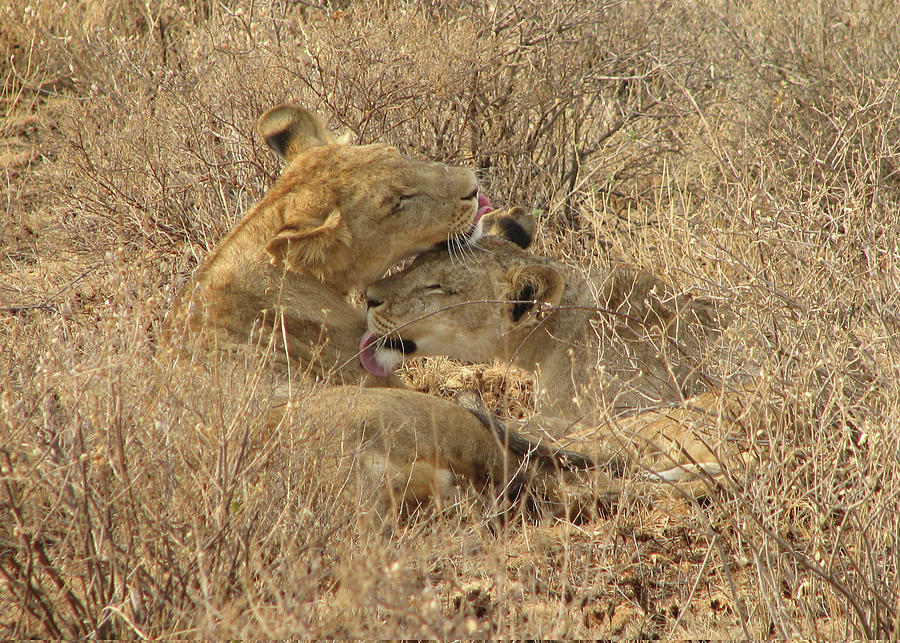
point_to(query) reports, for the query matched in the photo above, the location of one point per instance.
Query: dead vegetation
(744, 151)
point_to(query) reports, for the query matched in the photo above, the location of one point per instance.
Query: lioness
(631, 344)
(338, 217)
(624, 335)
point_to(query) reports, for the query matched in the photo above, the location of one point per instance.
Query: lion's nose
(372, 303)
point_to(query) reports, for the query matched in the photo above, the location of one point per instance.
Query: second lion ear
(513, 224)
(290, 129)
(533, 285)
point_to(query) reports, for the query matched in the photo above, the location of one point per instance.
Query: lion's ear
(290, 129)
(319, 248)
(534, 285)
(512, 224)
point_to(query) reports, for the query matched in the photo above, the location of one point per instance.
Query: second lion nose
(372, 303)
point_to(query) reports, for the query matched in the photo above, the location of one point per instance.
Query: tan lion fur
(690, 443)
(624, 336)
(416, 448)
(625, 340)
(337, 218)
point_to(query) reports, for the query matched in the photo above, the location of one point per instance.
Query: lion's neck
(621, 349)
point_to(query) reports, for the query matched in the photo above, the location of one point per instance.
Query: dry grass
(745, 151)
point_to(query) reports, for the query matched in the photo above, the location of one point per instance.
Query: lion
(624, 335)
(337, 218)
(630, 343)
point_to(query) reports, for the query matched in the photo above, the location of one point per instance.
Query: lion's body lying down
(615, 360)
(624, 338)
(415, 447)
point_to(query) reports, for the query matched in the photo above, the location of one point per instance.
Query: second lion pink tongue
(484, 206)
(367, 356)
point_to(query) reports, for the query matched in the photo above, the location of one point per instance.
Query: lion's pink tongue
(484, 206)
(367, 356)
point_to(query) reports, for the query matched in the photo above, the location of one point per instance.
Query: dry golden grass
(745, 151)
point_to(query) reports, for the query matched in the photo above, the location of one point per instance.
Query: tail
(519, 445)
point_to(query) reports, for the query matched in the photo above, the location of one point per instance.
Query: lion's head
(355, 210)
(438, 307)
(336, 219)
